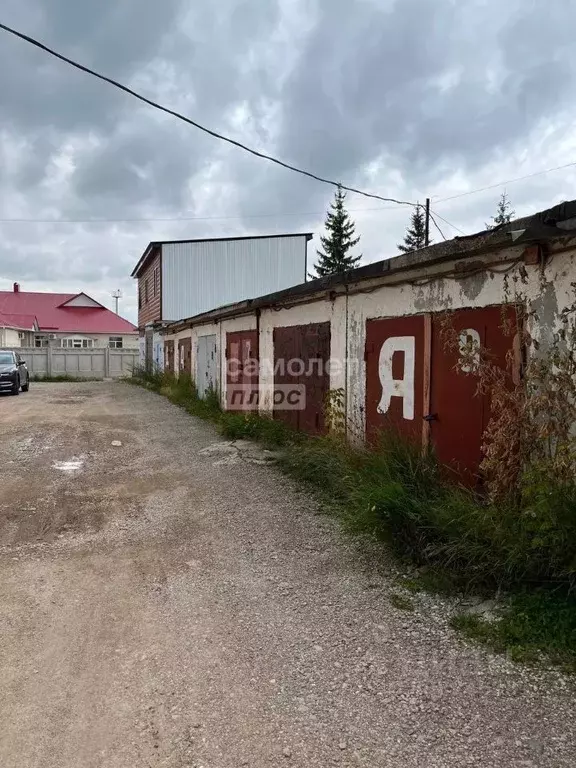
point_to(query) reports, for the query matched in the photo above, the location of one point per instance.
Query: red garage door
(301, 375)
(242, 371)
(415, 385)
(460, 412)
(394, 376)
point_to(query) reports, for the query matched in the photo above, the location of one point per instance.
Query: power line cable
(503, 183)
(437, 226)
(449, 223)
(144, 219)
(210, 132)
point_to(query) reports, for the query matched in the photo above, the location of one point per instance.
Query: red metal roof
(22, 322)
(52, 316)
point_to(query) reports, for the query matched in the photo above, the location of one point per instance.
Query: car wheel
(26, 387)
(16, 388)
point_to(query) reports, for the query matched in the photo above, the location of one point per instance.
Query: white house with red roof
(69, 320)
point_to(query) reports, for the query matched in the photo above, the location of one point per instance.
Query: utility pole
(117, 295)
(427, 231)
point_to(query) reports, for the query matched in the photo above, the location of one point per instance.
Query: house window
(146, 290)
(115, 342)
(76, 343)
(41, 341)
(156, 281)
(139, 298)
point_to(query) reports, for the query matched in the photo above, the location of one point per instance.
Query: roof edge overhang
(11, 327)
(59, 331)
(141, 261)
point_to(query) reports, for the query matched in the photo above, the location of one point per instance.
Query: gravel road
(168, 601)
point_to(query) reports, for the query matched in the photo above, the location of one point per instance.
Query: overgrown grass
(460, 542)
(534, 626)
(396, 494)
(179, 390)
(401, 602)
(44, 378)
(250, 426)
(525, 547)
(182, 391)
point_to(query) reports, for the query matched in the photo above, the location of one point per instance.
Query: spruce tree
(339, 239)
(415, 237)
(504, 213)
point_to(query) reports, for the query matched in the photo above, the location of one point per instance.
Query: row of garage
(378, 343)
(413, 385)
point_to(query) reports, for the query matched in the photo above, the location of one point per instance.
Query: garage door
(242, 371)
(417, 388)
(301, 375)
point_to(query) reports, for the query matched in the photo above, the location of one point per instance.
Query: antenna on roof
(117, 295)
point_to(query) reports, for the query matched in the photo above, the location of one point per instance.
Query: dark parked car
(13, 373)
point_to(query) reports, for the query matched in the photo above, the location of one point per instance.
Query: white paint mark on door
(469, 350)
(392, 387)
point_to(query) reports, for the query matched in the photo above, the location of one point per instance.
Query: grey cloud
(116, 38)
(427, 89)
(152, 163)
(412, 81)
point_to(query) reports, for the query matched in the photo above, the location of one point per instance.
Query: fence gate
(301, 375)
(416, 387)
(206, 365)
(185, 355)
(242, 371)
(169, 355)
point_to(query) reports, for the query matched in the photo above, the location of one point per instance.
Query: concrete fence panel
(122, 361)
(78, 363)
(36, 360)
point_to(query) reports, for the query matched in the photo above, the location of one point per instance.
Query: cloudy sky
(405, 98)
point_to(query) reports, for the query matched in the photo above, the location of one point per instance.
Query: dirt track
(164, 606)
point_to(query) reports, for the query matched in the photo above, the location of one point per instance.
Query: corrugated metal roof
(52, 316)
(20, 322)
